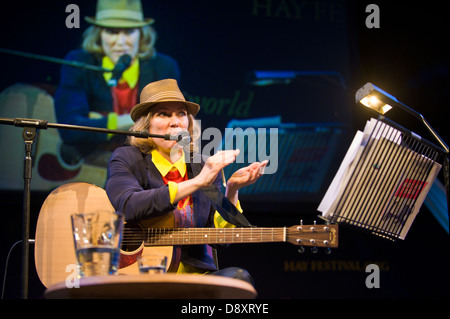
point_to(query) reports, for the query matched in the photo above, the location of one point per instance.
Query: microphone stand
(29, 136)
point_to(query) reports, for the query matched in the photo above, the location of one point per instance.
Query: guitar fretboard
(194, 236)
(312, 235)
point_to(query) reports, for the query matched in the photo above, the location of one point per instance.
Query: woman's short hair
(92, 41)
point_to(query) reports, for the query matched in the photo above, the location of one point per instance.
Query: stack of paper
(381, 183)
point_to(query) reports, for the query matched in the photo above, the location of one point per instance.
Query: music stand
(383, 180)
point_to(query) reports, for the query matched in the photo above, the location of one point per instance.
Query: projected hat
(119, 14)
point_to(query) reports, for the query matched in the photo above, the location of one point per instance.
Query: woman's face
(117, 42)
(168, 118)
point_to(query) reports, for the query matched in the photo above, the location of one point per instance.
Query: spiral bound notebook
(382, 182)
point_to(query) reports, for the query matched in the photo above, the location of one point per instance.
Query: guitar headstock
(313, 235)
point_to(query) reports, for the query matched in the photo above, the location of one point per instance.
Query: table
(157, 286)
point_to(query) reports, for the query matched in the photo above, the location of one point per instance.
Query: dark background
(217, 44)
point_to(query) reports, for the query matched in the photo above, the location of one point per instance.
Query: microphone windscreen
(122, 64)
(183, 138)
(125, 59)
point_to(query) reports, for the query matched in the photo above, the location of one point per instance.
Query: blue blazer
(136, 189)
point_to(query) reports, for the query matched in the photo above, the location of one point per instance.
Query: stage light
(374, 103)
(379, 100)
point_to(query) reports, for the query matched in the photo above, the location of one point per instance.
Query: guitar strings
(171, 236)
(196, 234)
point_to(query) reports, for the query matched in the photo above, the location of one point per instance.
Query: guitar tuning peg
(301, 222)
(301, 250)
(314, 250)
(328, 251)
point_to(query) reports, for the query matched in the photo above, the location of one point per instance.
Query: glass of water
(97, 238)
(152, 264)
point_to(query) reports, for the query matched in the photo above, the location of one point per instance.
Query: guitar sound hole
(133, 237)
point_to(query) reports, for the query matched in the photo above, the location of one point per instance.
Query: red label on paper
(410, 188)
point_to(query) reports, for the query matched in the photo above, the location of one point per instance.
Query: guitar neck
(198, 236)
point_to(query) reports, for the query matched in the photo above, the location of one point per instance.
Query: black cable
(31, 241)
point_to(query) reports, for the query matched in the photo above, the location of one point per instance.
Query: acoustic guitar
(54, 246)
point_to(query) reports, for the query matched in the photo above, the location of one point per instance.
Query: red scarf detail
(184, 206)
(124, 98)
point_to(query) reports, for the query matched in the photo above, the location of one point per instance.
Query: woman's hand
(214, 165)
(208, 173)
(243, 177)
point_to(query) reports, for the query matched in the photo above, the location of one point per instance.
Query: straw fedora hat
(119, 14)
(159, 92)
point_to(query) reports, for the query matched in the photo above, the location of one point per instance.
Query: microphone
(182, 137)
(122, 64)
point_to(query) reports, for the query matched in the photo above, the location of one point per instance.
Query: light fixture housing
(379, 100)
(375, 98)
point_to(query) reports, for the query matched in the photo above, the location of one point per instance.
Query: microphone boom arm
(55, 60)
(43, 124)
